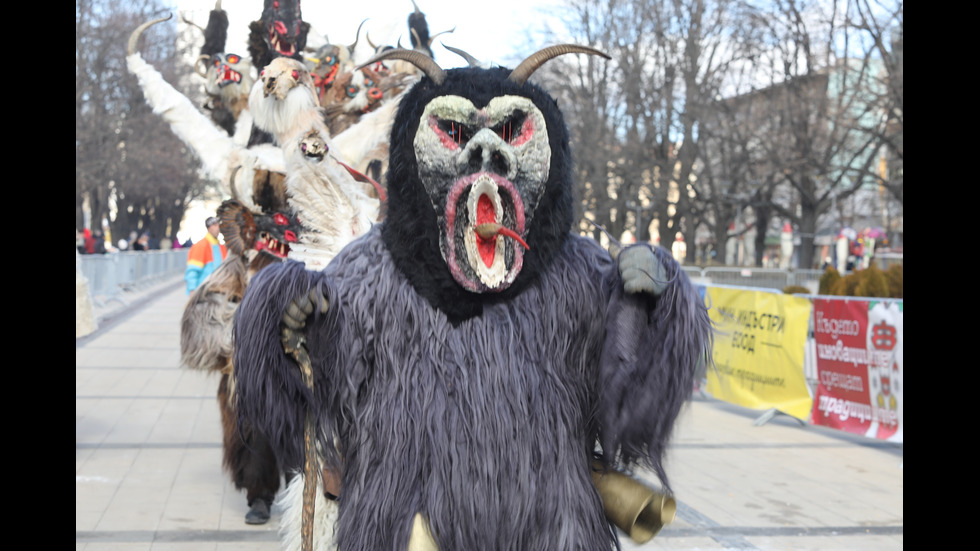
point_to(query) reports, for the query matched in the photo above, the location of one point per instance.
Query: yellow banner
(759, 350)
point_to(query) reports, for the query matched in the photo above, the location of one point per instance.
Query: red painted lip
(457, 191)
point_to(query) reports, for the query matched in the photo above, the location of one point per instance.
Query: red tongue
(485, 214)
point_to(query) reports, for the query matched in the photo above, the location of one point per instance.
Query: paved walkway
(148, 460)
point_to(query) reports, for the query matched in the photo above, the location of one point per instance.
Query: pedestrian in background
(89, 241)
(143, 243)
(98, 242)
(204, 256)
(679, 249)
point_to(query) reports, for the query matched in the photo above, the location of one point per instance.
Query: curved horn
(357, 36)
(416, 35)
(536, 60)
(191, 23)
(474, 62)
(425, 63)
(371, 44)
(135, 36)
(197, 65)
(217, 5)
(452, 30)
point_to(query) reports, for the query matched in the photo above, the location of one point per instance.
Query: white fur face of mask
(229, 76)
(283, 94)
(484, 171)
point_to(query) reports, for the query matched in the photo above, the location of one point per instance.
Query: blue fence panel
(109, 275)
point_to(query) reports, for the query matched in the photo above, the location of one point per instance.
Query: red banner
(859, 367)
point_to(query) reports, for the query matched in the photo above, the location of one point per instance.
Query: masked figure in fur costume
(227, 75)
(470, 354)
(255, 240)
(335, 202)
(239, 164)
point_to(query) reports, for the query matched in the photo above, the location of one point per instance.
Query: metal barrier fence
(109, 275)
(766, 278)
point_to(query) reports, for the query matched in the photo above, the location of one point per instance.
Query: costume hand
(294, 320)
(641, 270)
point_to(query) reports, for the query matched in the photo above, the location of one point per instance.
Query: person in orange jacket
(204, 256)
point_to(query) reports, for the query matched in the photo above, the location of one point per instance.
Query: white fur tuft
(291, 522)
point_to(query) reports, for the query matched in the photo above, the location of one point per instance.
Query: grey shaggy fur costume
(476, 403)
(487, 427)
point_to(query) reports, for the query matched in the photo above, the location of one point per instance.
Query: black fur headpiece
(216, 33)
(419, 29)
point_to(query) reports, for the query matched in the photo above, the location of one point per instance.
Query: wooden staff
(293, 340)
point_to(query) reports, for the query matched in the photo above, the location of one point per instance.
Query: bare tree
(804, 136)
(826, 119)
(634, 121)
(720, 118)
(876, 31)
(586, 93)
(130, 169)
(880, 31)
(714, 60)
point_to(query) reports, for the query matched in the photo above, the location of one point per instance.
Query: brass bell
(635, 508)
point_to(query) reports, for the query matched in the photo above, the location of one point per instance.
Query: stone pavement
(148, 460)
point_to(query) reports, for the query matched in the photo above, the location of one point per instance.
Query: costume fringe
(270, 391)
(246, 454)
(654, 349)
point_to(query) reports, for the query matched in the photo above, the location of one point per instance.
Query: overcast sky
(490, 31)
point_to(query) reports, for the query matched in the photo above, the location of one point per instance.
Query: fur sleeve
(205, 325)
(653, 349)
(211, 144)
(270, 392)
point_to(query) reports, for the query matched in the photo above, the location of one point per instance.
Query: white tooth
(484, 186)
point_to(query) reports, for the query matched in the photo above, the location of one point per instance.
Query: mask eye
(511, 129)
(457, 132)
(368, 82)
(351, 91)
(329, 60)
(280, 219)
(233, 59)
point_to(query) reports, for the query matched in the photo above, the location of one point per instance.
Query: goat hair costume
(255, 240)
(470, 354)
